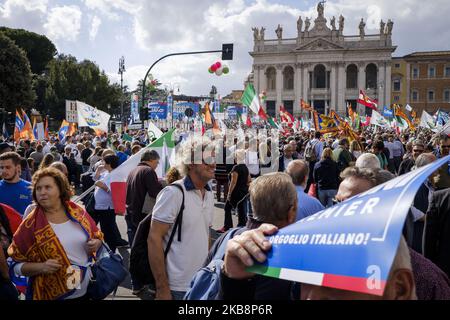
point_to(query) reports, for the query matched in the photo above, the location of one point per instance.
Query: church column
(341, 87)
(333, 87)
(262, 82)
(361, 82)
(305, 82)
(279, 88)
(382, 85)
(298, 88)
(388, 88)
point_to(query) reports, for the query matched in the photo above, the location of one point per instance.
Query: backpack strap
(220, 253)
(178, 221)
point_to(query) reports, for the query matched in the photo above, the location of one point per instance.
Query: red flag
(286, 116)
(46, 136)
(366, 101)
(248, 122)
(262, 114)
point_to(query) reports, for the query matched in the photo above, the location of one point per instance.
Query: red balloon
(218, 64)
(214, 68)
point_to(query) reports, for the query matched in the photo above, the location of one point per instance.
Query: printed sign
(352, 245)
(157, 110)
(71, 111)
(180, 108)
(134, 107)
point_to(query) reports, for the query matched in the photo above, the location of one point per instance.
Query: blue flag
(387, 112)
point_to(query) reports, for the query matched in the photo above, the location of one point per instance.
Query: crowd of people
(273, 181)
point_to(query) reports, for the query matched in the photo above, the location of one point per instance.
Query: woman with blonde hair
(55, 241)
(326, 175)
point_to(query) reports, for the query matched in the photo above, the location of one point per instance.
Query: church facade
(322, 66)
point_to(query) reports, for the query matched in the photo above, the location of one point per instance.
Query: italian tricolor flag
(251, 100)
(118, 177)
(320, 279)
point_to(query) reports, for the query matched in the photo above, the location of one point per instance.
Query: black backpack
(86, 180)
(139, 264)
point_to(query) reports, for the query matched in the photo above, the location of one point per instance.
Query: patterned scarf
(35, 241)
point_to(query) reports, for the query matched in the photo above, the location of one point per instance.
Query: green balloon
(225, 70)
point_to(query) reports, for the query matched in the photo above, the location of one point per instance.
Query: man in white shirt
(186, 255)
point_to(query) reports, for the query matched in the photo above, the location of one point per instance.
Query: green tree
(39, 49)
(15, 76)
(68, 79)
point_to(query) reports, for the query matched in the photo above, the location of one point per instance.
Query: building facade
(399, 81)
(425, 83)
(322, 66)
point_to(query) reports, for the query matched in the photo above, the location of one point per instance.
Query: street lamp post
(227, 54)
(121, 71)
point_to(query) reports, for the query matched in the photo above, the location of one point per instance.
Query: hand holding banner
(350, 246)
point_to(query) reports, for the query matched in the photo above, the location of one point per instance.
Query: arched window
(414, 95)
(371, 76)
(319, 77)
(288, 78)
(271, 74)
(352, 77)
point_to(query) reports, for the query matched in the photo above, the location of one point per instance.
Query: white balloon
(219, 72)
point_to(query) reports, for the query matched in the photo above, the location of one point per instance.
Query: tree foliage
(15, 76)
(68, 79)
(39, 49)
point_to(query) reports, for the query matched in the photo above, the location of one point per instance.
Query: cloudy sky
(144, 30)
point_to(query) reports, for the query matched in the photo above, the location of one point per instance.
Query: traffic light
(227, 51)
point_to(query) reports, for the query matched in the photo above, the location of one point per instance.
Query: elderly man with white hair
(173, 272)
(368, 160)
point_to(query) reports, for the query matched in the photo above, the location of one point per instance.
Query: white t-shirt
(252, 162)
(185, 258)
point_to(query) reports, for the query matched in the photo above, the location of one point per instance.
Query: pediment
(320, 44)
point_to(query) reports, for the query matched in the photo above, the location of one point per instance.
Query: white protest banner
(89, 116)
(153, 131)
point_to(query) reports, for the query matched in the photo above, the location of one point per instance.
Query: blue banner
(234, 110)
(157, 110)
(352, 245)
(179, 109)
(387, 112)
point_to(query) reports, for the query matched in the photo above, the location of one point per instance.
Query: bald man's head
(351, 187)
(299, 171)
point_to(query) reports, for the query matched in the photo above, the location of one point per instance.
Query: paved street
(124, 291)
